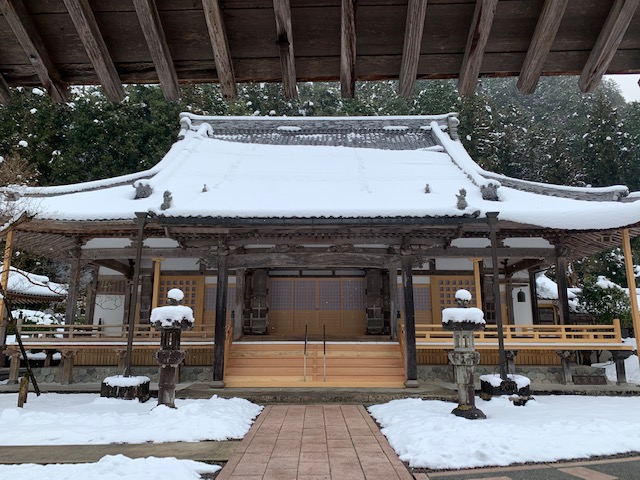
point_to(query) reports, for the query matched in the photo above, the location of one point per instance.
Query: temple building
(319, 250)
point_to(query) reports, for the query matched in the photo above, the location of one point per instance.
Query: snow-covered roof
(213, 172)
(29, 285)
(547, 289)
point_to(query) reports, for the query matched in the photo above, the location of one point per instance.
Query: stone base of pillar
(411, 384)
(217, 384)
(619, 356)
(470, 413)
(566, 366)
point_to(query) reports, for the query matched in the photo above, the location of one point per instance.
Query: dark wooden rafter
(220, 46)
(5, 93)
(17, 16)
(151, 25)
(348, 49)
(416, 15)
(91, 37)
(540, 46)
(525, 264)
(607, 44)
(284, 40)
(123, 268)
(476, 43)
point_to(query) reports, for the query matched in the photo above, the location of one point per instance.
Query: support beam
(409, 323)
(561, 280)
(631, 280)
(414, 28)
(4, 282)
(348, 49)
(477, 280)
(220, 329)
(284, 40)
(17, 16)
(89, 32)
(607, 44)
(220, 46)
(157, 272)
(92, 291)
(5, 93)
(476, 43)
(310, 260)
(158, 47)
(540, 46)
(238, 317)
(393, 300)
(525, 264)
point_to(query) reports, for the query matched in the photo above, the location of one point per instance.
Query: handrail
(324, 351)
(304, 358)
(529, 334)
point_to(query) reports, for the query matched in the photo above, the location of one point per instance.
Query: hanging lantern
(521, 296)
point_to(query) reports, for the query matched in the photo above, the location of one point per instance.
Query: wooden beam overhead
(284, 40)
(416, 14)
(89, 32)
(149, 19)
(476, 44)
(348, 49)
(17, 16)
(5, 93)
(540, 46)
(607, 44)
(124, 269)
(220, 45)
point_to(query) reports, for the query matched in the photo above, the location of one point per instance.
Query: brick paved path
(324, 442)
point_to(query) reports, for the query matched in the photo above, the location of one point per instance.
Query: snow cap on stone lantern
(173, 315)
(463, 317)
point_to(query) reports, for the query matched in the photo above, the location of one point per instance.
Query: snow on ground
(549, 428)
(113, 467)
(59, 419)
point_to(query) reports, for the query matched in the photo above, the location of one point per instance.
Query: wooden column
(221, 321)
(157, 272)
(146, 297)
(561, 280)
(409, 323)
(533, 288)
(393, 300)
(631, 281)
(477, 262)
(92, 290)
(141, 220)
(4, 281)
(492, 218)
(72, 296)
(239, 310)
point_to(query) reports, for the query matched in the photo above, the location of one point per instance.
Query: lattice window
(305, 295)
(329, 294)
(281, 294)
(422, 297)
(210, 296)
(353, 293)
(188, 285)
(446, 288)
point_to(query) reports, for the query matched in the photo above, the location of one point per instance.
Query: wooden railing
(102, 334)
(537, 337)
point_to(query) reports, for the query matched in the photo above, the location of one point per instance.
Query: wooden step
(355, 365)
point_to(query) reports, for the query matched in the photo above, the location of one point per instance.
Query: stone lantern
(463, 322)
(170, 320)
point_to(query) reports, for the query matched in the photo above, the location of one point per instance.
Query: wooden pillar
(393, 300)
(141, 220)
(631, 281)
(92, 290)
(561, 280)
(411, 361)
(146, 298)
(157, 269)
(477, 263)
(492, 218)
(4, 281)
(74, 281)
(533, 288)
(221, 321)
(238, 317)
(68, 359)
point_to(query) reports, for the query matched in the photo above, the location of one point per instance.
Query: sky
(629, 86)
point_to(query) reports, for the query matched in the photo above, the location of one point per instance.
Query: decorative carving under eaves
(286, 248)
(346, 248)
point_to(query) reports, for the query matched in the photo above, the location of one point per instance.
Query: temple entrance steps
(282, 364)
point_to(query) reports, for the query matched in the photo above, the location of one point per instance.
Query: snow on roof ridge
(464, 162)
(426, 119)
(612, 193)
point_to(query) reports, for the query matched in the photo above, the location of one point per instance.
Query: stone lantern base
(469, 412)
(140, 392)
(506, 387)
